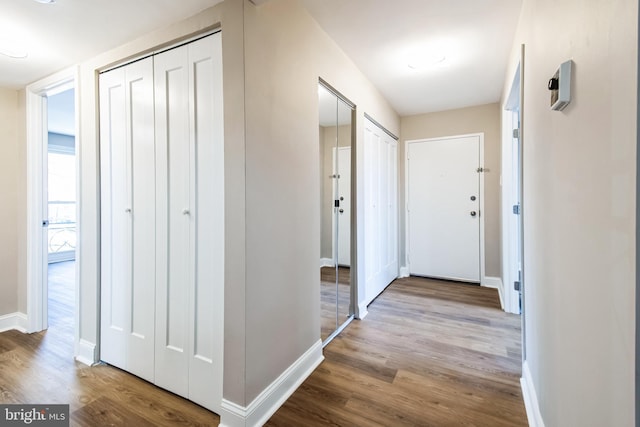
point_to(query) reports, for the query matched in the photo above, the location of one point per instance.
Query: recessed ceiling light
(13, 53)
(46, 1)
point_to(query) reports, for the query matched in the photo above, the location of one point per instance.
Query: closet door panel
(174, 216)
(207, 133)
(142, 208)
(115, 223)
(127, 218)
(381, 210)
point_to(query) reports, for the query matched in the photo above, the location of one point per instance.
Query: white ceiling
(379, 36)
(475, 36)
(68, 32)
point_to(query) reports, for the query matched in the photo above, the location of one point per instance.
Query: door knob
(185, 212)
(473, 198)
(341, 210)
(473, 213)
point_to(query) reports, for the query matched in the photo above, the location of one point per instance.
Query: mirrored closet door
(335, 192)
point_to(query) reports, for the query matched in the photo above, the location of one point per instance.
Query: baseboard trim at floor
(404, 272)
(272, 397)
(17, 321)
(496, 283)
(326, 262)
(86, 352)
(530, 397)
(362, 311)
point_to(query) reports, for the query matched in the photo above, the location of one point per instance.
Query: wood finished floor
(428, 354)
(39, 368)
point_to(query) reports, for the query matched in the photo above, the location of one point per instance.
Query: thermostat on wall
(560, 86)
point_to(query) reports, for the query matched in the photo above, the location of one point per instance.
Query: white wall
(579, 209)
(12, 213)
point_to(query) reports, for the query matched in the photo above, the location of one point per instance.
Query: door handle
(473, 213)
(341, 210)
(45, 222)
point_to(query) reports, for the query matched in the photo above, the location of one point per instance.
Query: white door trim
(36, 103)
(483, 278)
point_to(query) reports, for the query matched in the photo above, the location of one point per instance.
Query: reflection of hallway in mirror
(328, 307)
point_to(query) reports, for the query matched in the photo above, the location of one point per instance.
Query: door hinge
(516, 286)
(516, 209)
(516, 133)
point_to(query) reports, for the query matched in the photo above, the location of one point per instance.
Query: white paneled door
(380, 210)
(443, 203)
(163, 225)
(128, 218)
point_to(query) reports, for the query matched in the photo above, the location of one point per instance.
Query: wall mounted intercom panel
(560, 86)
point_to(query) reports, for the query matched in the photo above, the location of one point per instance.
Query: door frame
(513, 103)
(36, 133)
(483, 278)
(512, 256)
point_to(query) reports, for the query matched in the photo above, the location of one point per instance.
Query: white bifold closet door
(190, 257)
(380, 210)
(128, 226)
(162, 265)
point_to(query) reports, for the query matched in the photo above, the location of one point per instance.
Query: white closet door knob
(185, 212)
(128, 210)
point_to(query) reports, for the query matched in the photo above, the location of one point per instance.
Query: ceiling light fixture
(46, 1)
(419, 62)
(13, 53)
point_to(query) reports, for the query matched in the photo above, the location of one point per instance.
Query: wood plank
(430, 353)
(39, 368)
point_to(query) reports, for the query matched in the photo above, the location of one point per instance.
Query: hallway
(429, 353)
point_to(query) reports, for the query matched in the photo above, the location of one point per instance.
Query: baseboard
(326, 262)
(86, 352)
(17, 321)
(362, 311)
(530, 397)
(272, 397)
(496, 283)
(404, 272)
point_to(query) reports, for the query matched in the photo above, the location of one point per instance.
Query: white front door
(443, 202)
(342, 192)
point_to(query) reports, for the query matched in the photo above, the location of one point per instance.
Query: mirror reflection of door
(335, 167)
